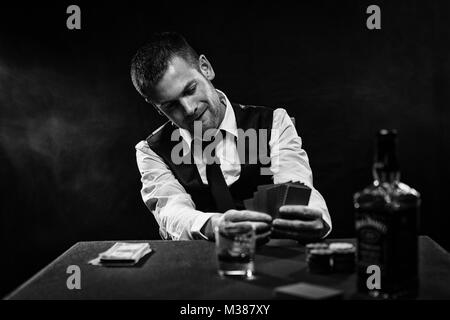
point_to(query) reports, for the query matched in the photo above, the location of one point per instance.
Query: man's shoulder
(276, 111)
(251, 110)
(156, 136)
(251, 115)
(251, 107)
(154, 139)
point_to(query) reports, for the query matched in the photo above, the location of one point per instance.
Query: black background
(70, 117)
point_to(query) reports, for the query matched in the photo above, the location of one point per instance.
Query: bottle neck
(385, 176)
(386, 168)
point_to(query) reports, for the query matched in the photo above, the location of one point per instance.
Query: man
(189, 200)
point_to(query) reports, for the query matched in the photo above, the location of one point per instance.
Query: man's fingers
(246, 226)
(295, 235)
(262, 230)
(263, 238)
(232, 228)
(298, 225)
(263, 235)
(261, 227)
(299, 212)
(247, 215)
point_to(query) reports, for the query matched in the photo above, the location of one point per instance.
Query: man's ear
(206, 68)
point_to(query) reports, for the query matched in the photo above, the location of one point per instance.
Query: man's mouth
(200, 115)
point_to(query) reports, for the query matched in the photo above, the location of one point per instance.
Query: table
(186, 270)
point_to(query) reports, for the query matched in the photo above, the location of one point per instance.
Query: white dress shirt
(173, 207)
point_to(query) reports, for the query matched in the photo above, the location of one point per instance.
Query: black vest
(247, 117)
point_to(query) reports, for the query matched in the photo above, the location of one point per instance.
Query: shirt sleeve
(167, 199)
(289, 162)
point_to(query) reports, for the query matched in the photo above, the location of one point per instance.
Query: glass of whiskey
(235, 249)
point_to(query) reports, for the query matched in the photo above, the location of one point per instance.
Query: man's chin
(209, 125)
(205, 125)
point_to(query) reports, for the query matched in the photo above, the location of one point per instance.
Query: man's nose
(190, 108)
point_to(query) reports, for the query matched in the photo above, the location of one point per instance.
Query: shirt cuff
(330, 228)
(199, 222)
(316, 201)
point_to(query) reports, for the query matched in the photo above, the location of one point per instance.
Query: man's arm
(174, 209)
(289, 162)
(166, 198)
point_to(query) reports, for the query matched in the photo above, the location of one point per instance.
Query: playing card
(263, 198)
(255, 201)
(266, 186)
(296, 194)
(270, 197)
(248, 203)
(275, 197)
(307, 291)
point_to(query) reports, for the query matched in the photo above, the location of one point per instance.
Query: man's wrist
(208, 227)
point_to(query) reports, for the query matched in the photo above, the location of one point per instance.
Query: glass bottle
(387, 227)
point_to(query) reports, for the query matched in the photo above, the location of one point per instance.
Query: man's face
(185, 94)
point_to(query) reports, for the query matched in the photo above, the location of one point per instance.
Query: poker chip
(312, 246)
(341, 246)
(319, 260)
(343, 257)
(330, 257)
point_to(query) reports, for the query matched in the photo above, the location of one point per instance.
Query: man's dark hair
(150, 62)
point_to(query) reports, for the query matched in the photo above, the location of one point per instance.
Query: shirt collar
(228, 123)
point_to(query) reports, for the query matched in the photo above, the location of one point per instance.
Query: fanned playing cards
(270, 197)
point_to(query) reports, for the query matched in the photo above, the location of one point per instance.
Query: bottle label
(371, 232)
(387, 238)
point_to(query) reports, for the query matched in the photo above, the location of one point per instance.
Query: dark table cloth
(188, 270)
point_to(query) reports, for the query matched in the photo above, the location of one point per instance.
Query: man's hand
(300, 223)
(261, 222)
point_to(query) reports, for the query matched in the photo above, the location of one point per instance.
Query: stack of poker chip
(343, 256)
(318, 257)
(334, 257)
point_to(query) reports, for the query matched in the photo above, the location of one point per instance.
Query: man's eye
(191, 90)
